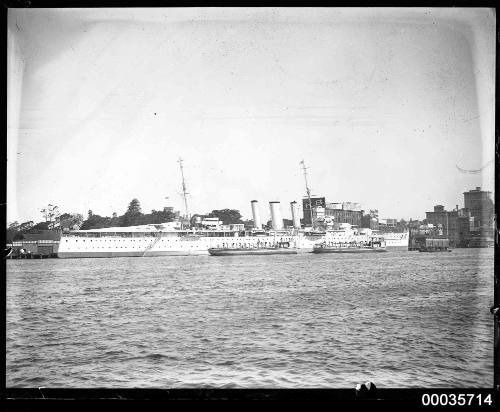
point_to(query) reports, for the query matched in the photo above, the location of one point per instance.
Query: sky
(381, 104)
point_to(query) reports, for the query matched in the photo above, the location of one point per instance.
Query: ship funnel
(295, 215)
(276, 218)
(256, 216)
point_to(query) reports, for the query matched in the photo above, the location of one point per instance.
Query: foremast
(184, 190)
(304, 168)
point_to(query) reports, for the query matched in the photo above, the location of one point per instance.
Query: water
(399, 319)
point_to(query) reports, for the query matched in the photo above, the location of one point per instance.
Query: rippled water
(400, 319)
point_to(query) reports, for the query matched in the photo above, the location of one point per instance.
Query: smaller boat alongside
(281, 248)
(373, 245)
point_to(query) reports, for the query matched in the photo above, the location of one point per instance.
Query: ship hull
(240, 252)
(348, 250)
(434, 250)
(397, 248)
(155, 253)
(71, 255)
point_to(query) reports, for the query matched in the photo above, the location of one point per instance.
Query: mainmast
(184, 192)
(304, 168)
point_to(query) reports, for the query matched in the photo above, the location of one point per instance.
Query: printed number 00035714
(452, 399)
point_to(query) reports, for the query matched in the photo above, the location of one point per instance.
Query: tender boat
(282, 248)
(373, 245)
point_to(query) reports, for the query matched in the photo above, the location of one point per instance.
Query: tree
(14, 225)
(26, 226)
(158, 216)
(228, 216)
(96, 222)
(69, 221)
(133, 215)
(51, 215)
(12, 231)
(40, 226)
(116, 220)
(134, 207)
(16, 231)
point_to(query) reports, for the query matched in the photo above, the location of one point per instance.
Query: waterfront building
(306, 208)
(45, 242)
(482, 217)
(353, 217)
(346, 212)
(391, 222)
(356, 207)
(392, 225)
(370, 222)
(455, 224)
(480, 206)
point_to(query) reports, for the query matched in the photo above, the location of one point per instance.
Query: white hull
(146, 244)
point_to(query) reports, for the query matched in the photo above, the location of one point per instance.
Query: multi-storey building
(354, 217)
(339, 212)
(316, 202)
(370, 222)
(480, 206)
(455, 224)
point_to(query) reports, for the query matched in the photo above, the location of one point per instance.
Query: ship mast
(184, 192)
(304, 168)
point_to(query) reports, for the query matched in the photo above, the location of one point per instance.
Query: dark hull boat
(434, 249)
(375, 245)
(250, 251)
(328, 249)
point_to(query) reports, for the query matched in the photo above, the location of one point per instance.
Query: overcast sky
(382, 104)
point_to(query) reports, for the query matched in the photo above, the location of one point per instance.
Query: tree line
(66, 221)
(133, 216)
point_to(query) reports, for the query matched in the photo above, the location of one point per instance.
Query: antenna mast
(184, 192)
(304, 168)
